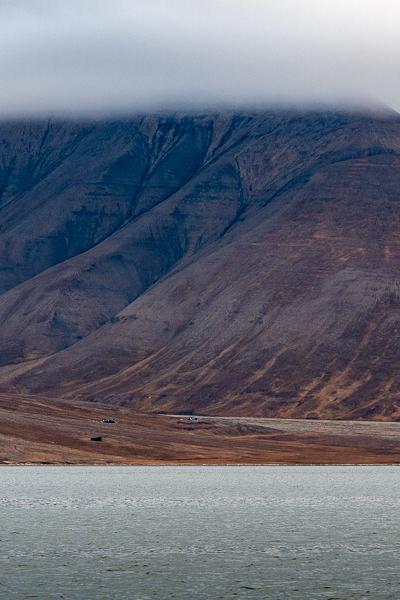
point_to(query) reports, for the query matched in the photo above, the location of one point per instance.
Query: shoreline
(186, 465)
(42, 432)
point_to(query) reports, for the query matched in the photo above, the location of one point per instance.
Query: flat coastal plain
(37, 430)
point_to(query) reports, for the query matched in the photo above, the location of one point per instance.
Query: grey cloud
(96, 56)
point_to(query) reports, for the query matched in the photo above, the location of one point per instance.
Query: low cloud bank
(101, 56)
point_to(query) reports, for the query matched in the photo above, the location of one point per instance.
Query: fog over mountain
(193, 237)
(95, 56)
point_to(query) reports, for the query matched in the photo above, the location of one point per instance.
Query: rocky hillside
(244, 264)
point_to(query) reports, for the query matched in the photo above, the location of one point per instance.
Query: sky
(103, 56)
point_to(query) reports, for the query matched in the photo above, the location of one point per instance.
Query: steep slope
(237, 264)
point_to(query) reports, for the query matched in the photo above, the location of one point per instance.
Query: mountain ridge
(228, 263)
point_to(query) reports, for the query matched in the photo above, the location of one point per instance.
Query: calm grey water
(200, 533)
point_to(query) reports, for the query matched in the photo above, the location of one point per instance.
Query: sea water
(155, 533)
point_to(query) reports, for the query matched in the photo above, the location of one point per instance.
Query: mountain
(227, 263)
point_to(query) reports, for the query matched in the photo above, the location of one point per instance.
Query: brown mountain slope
(223, 263)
